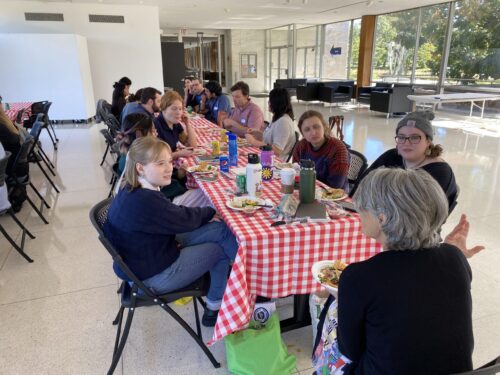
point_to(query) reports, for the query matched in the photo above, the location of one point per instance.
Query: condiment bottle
(307, 182)
(254, 176)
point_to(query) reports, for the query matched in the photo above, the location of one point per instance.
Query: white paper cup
(287, 180)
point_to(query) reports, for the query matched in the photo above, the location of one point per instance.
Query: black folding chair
(357, 167)
(40, 153)
(33, 157)
(48, 125)
(138, 295)
(297, 136)
(19, 247)
(24, 180)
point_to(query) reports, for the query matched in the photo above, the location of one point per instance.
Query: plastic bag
(259, 351)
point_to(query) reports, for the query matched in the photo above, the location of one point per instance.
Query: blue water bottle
(233, 149)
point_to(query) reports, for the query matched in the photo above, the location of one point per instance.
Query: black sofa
(311, 90)
(365, 92)
(290, 84)
(308, 91)
(394, 100)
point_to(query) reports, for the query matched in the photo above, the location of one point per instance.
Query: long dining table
(272, 261)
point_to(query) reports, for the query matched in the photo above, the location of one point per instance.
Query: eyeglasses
(414, 139)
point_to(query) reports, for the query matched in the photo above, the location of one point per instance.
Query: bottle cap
(253, 159)
(231, 135)
(306, 163)
(266, 148)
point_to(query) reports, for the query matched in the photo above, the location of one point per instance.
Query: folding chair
(357, 167)
(32, 155)
(297, 136)
(138, 295)
(40, 153)
(19, 248)
(48, 125)
(22, 157)
(491, 368)
(111, 145)
(339, 121)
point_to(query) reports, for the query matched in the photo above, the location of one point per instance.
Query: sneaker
(209, 317)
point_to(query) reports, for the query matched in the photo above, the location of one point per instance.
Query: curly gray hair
(412, 201)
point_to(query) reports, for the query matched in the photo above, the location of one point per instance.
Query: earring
(428, 151)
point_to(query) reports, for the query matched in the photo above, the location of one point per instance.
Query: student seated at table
(415, 150)
(121, 91)
(146, 229)
(149, 103)
(216, 101)
(408, 309)
(187, 90)
(134, 99)
(330, 155)
(135, 125)
(197, 98)
(279, 134)
(246, 114)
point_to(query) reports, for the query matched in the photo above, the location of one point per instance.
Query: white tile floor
(56, 313)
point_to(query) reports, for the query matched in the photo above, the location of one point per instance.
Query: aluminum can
(241, 183)
(224, 163)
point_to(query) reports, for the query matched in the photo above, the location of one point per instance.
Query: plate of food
(245, 203)
(327, 273)
(202, 168)
(331, 194)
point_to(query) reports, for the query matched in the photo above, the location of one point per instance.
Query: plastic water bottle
(266, 160)
(307, 182)
(254, 176)
(233, 149)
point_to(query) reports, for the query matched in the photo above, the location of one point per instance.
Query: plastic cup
(287, 180)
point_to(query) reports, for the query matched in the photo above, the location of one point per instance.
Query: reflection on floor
(56, 313)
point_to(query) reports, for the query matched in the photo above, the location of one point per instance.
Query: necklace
(415, 166)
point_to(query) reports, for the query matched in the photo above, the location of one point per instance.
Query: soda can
(224, 163)
(241, 183)
(215, 148)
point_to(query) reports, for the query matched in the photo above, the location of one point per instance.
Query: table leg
(471, 107)
(301, 317)
(482, 108)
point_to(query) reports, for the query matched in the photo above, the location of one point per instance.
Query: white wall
(132, 49)
(247, 41)
(62, 76)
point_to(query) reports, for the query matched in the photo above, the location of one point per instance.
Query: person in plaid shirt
(330, 155)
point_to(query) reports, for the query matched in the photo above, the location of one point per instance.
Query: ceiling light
(369, 3)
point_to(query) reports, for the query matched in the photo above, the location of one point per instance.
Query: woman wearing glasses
(415, 150)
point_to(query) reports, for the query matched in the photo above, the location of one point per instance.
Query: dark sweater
(171, 136)
(142, 225)
(407, 312)
(331, 161)
(440, 171)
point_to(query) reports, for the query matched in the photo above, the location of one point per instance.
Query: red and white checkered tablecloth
(275, 261)
(14, 108)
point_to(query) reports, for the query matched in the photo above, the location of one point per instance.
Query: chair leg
(36, 210)
(47, 176)
(53, 131)
(112, 187)
(46, 160)
(25, 230)
(54, 143)
(122, 340)
(15, 245)
(192, 333)
(197, 316)
(119, 316)
(39, 195)
(105, 153)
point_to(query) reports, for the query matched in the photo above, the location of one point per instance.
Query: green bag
(259, 351)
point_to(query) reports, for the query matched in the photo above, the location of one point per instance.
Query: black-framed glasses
(414, 139)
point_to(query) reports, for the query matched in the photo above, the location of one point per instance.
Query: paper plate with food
(327, 273)
(331, 194)
(202, 168)
(245, 203)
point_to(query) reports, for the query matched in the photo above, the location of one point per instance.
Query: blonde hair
(6, 121)
(169, 98)
(309, 114)
(143, 151)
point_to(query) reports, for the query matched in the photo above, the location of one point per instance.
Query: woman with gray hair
(408, 309)
(415, 150)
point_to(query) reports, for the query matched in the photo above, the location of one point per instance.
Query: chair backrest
(98, 216)
(19, 116)
(297, 136)
(3, 167)
(38, 107)
(357, 166)
(490, 368)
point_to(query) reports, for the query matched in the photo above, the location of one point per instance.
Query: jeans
(209, 248)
